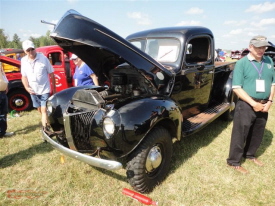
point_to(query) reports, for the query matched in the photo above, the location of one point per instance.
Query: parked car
(164, 85)
(9, 61)
(244, 53)
(13, 54)
(236, 54)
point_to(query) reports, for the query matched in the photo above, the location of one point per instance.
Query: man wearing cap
(37, 77)
(254, 84)
(3, 104)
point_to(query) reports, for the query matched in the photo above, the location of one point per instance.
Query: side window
(200, 50)
(55, 58)
(137, 44)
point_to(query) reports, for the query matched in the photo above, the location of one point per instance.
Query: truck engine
(125, 82)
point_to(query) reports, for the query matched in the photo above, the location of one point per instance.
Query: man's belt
(262, 101)
(2, 92)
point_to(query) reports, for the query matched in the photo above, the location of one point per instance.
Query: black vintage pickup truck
(157, 87)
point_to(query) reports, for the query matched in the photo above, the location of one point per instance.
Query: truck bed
(224, 66)
(218, 64)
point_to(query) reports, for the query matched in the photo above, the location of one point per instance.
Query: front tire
(150, 162)
(19, 100)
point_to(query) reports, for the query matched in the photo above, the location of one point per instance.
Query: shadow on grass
(267, 140)
(12, 159)
(189, 145)
(186, 148)
(27, 130)
(111, 174)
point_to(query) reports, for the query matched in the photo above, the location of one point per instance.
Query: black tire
(158, 144)
(19, 100)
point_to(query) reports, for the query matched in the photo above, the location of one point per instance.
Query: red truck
(19, 99)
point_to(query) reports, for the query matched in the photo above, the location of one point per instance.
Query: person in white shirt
(37, 77)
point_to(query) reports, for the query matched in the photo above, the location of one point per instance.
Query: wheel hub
(154, 159)
(18, 102)
(232, 106)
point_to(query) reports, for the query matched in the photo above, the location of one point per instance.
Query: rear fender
(228, 88)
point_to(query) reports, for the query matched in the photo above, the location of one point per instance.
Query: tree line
(16, 43)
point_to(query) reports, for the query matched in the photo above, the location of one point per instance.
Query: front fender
(15, 84)
(139, 117)
(59, 101)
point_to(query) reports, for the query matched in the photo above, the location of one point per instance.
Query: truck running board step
(199, 121)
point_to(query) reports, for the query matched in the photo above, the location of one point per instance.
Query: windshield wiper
(166, 53)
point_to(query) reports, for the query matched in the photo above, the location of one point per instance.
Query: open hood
(10, 61)
(96, 45)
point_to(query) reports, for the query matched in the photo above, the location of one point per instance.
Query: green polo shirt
(245, 75)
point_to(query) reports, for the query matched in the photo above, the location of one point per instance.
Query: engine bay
(124, 82)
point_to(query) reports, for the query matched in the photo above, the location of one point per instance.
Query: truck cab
(63, 67)
(190, 53)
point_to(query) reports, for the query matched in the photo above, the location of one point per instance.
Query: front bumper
(93, 161)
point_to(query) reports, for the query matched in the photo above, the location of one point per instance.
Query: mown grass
(198, 175)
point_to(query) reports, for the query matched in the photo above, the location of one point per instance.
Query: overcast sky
(233, 22)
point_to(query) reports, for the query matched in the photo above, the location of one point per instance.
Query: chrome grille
(81, 128)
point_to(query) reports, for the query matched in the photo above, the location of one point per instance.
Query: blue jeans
(39, 100)
(3, 113)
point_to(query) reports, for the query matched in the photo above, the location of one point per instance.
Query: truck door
(62, 69)
(194, 82)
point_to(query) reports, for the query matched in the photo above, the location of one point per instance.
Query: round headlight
(109, 126)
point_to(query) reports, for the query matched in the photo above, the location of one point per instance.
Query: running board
(194, 124)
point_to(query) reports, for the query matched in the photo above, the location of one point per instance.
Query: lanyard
(259, 71)
(32, 64)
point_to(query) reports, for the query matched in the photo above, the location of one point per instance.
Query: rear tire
(150, 162)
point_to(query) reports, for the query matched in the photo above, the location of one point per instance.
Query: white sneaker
(8, 134)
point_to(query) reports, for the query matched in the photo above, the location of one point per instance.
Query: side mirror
(189, 49)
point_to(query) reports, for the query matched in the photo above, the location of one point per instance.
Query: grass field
(33, 173)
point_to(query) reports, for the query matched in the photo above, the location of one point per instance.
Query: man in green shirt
(254, 83)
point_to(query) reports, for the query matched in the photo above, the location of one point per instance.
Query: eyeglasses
(260, 48)
(29, 49)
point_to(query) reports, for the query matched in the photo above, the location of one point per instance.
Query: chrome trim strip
(68, 131)
(93, 161)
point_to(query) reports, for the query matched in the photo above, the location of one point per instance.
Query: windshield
(162, 50)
